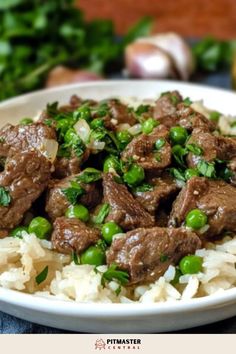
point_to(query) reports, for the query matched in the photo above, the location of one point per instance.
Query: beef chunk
(190, 119)
(146, 253)
(162, 188)
(25, 176)
(67, 166)
(215, 197)
(57, 202)
(119, 113)
(142, 150)
(125, 210)
(72, 235)
(213, 147)
(24, 137)
(166, 104)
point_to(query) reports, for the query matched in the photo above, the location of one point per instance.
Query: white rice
(21, 260)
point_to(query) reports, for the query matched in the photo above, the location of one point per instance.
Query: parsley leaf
(42, 276)
(73, 192)
(102, 214)
(113, 273)
(52, 109)
(196, 150)
(187, 102)
(5, 198)
(143, 108)
(74, 258)
(206, 169)
(177, 174)
(89, 175)
(179, 153)
(145, 187)
(163, 258)
(214, 115)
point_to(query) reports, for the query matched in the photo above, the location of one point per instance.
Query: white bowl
(115, 318)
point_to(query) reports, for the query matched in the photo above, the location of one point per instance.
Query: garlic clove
(146, 60)
(177, 48)
(61, 75)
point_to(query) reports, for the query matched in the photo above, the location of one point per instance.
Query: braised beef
(125, 210)
(72, 235)
(190, 119)
(25, 177)
(24, 137)
(57, 202)
(166, 105)
(161, 189)
(213, 147)
(146, 253)
(142, 150)
(215, 197)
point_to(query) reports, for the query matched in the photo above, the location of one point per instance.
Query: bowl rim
(72, 308)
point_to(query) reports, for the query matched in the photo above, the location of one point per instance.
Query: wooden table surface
(189, 18)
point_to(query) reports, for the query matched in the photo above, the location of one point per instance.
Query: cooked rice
(21, 260)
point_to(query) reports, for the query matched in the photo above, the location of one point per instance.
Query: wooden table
(190, 18)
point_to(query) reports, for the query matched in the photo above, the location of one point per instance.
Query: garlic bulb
(160, 56)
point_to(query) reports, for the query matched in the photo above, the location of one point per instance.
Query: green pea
(191, 264)
(191, 172)
(78, 211)
(196, 219)
(109, 230)
(41, 227)
(159, 143)
(93, 255)
(111, 162)
(178, 135)
(148, 125)
(97, 123)
(134, 176)
(124, 138)
(26, 121)
(17, 232)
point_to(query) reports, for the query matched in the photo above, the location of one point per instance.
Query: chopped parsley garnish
(179, 153)
(174, 99)
(42, 276)
(78, 147)
(143, 108)
(74, 258)
(52, 109)
(163, 258)
(63, 151)
(2, 140)
(206, 169)
(5, 198)
(113, 273)
(102, 214)
(102, 110)
(196, 150)
(159, 143)
(48, 122)
(89, 175)
(145, 187)
(214, 116)
(177, 174)
(187, 102)
(73, 192)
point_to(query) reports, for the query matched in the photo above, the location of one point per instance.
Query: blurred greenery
(36, 35)
(213, 54)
